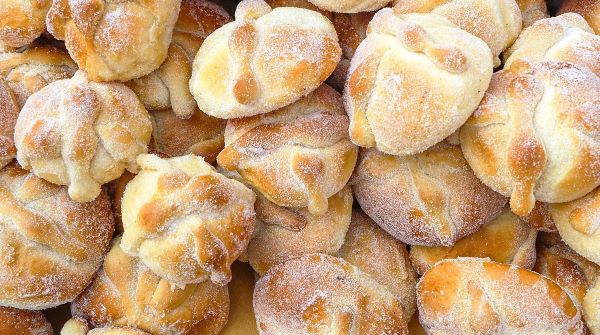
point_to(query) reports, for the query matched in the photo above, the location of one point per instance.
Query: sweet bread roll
(577, 223)
(506, 239)
(51, 246)
(497, 22)
(432, 198)
(475, 296)
(350, 6)
(516, 141)
(532, 11)
(322, 294)
(241, 314)
(83, 134)
(408, 71)
(80, 327)
(126, 293)
(185, 221)
(22, 322)
(297, 156)
(265, 60)
(589, 9)
(22, 21)
(283, 233)
(168, 86)
(21, 75)
(566, 38)
(540, 218)
(382, 257)
(201, 135)
(114, 40)
(591, 308)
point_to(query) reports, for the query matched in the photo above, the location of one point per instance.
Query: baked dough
(22, 322)
(22, 21)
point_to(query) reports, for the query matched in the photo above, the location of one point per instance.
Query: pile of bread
(382, 166)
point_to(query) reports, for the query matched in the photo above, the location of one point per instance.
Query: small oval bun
(577, 223)
(168, 86)
(350, 6)
(432, 198)
(284, 233)
(566, 38)
(297, 156)
(21, 75)
(185, 221)
(540, 218)
(22, 322)
(126, 293)
(476, 296)
(589, 9)
(532, 11)
(322, 294)
(506, 239)
(51, 246)
(22, 21)
(76, 326)
(497, 22)
(408, 71)
(83, 134)
(114, 40)
(265, 60)
(527, 160)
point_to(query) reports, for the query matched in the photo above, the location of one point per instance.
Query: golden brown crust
(241, 315)
(402, 77)
(382, 257)
(297, 156)
(589, 9)
(431, 199)
(540, 218)
(506, 239)
(168, 86)
(22, 21)
(83, 134)
(51, 246)
(185, 221)
(284, 233)
(532, 11)
(350, 6)
(22, 322)
(114, 40)
(524, 159)
(322, 294)
(264, 60)
(126, 293)
(475, 296)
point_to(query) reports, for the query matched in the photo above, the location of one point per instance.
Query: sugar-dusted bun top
(22, 21)
(265, 60)
(297, 156)
(77, 326)
(589, 9)
(81, 133)
(409, 70)
(22, 322)
(516, 140)
(532, 11)
(51, 246)
(126, 293)
(322, 294)
(477, 296)
(350, 6)
(186, 222)
(114, 40)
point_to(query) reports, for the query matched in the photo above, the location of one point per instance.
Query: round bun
(382, 257)
(403, 77)
(297, 156)
(51, 246)
(566, 38)
(589, 9)
(350, 6)
(265, 60)
(322, 294)
(475, 296)
(201, 135)
(185, 221)
(284, 233)
(532, 11)
(540, 219)
(22, 21)
(497, 22)
(432, 198)
(114, 41)
(22, 322)
(241, 314)
(577, 223)
(80, 327)
(21, 75)
(83, 134)
(126, 293)
(168, 86)
(506, 239)
(515, 142)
